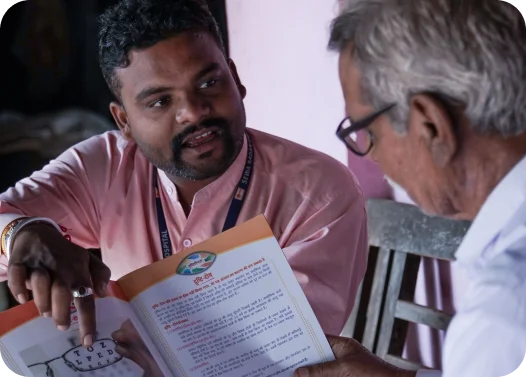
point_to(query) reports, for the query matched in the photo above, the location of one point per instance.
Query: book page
(31, 345)
(230, 306)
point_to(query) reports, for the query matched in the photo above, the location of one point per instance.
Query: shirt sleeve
(487, 337)
(483, 346)
(64, 192)
(329, 257)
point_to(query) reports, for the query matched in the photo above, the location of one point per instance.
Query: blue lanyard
(233, 212)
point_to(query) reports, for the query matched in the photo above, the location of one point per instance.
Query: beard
(205, 166)
(180, 168)
(393, 184)
(405, 197)
(400, 194)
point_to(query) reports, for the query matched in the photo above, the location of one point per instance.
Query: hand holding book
(131, 346)
(230, 306)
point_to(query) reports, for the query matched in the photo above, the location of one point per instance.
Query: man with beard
(182, 169)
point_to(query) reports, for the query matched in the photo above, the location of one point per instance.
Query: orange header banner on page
(21, 314)
(195, 258)
(16, 317)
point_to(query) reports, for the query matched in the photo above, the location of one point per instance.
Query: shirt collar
(496, 211)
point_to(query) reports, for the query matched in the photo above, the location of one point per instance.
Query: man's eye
(208, 84)
(163, 102)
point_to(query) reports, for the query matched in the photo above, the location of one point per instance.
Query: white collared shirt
(487, 337)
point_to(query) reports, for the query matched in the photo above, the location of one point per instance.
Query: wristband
(8, 232)
(8, 239)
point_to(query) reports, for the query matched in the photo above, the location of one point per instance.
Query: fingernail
(47, 315)
(302, 373)
(63, 327)
(88, 341)
(21, 298)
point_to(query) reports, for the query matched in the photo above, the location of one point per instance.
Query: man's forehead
(178, 58)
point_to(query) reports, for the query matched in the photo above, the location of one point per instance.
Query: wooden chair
(399, 236)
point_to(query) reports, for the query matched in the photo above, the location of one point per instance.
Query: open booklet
(229, 306)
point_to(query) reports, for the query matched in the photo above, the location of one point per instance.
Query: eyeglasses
(356, 135)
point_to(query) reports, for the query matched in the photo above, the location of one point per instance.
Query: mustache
(222, 124)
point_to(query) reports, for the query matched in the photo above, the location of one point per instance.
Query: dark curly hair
(139, 24)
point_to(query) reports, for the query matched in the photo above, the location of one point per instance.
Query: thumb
(343, 347)
(100, 275)
(330, 369)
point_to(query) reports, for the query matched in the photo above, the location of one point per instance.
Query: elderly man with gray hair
(435, 92)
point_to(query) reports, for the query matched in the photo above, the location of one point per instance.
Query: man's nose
(192, 109)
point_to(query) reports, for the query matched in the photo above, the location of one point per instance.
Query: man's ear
(235, 75)
(121, 119)
(432, 124)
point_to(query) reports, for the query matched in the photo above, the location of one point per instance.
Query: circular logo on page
(196, 263)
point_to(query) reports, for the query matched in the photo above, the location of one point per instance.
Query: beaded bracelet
(10, 232)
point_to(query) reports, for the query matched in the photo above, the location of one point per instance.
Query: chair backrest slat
(350, 326)
(393, 292)
(377, 290)
(412, 312)
(402, 234)
(402, 363)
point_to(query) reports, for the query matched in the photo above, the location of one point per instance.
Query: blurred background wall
(291, 78)
(52, 92)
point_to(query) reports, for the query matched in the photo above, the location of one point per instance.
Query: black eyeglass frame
(360, 125)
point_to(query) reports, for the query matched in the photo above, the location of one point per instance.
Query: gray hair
(472, 52)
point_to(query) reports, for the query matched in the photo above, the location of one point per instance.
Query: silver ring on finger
(82, 292)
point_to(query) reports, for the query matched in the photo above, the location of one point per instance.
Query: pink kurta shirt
(101, 191)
